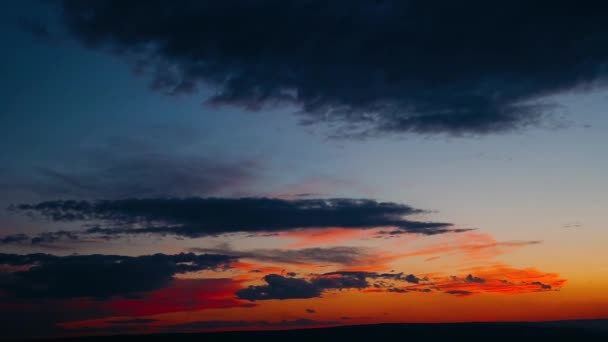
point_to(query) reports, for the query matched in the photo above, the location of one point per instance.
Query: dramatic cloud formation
(496, 279)
(41, 316)
(48, 276)
(373, 67)
(195, 217)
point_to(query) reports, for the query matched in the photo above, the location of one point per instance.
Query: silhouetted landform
(582, 330)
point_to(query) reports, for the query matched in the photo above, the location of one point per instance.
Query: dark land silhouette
(581, 330)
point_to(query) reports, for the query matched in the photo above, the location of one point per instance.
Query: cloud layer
(280, 287)
(196, 217)
(372, 67)
(497, 279)
(49, 276)
(343, 255)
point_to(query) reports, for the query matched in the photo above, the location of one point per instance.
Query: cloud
(40, 293)
(325, 236)
(344, 255)
(398, 290)
(40, 317)
(479, 246)
(542, 286)
(368, 67)
(471, 279)
(280, 287)
(99, 276)
(196, 217)
(181, 295)
(341, 280)
(412, 279)
(44, 239)
(121, 171)
(500, 278)
(14, 238)
(497, 278)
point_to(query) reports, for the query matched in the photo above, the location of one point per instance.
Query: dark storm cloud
(49, 276)
(195, 217)
(280, 287)
(344, 255)
(371, 67)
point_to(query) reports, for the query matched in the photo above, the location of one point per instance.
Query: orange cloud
(499, 278)
(472, 245)
(253, 267)
(326, 236)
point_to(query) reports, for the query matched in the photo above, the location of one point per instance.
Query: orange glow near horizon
(418, 279)
(468, 294)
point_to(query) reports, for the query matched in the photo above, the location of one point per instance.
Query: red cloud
(182, 295)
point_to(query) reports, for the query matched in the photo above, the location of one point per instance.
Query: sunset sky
(180, 166)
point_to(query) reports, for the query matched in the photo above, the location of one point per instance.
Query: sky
(195, 166)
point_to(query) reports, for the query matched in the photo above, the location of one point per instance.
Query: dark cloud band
(49, 276)
(196, 217)
(373, 67)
